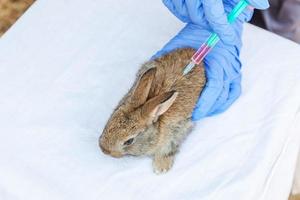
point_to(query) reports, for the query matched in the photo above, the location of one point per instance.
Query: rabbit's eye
(128, 142)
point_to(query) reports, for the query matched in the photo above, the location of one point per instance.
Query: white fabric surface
(65, 65)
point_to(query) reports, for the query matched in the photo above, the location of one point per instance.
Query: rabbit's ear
(158, 105)
(142, 88)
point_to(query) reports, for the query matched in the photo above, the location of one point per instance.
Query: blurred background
(282, 18)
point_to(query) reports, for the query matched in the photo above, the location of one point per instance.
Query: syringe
(207, 46)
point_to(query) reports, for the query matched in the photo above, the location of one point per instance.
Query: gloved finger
(194, 11)
(211, 91)
(178, 8)
(234, 93)
(228, 57)
(231, 72)
(231, 65)
(259, 4)
(217, 19)
(247, 14)
(221, 100)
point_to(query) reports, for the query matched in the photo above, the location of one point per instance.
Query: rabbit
(154, 117)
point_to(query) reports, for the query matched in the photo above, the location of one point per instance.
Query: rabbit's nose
(104, 150)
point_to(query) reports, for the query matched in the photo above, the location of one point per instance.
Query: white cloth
(66, 63)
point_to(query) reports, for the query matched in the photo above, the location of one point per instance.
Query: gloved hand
(259, 4)
(222, 63)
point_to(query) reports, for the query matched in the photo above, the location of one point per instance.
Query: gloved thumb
(215, 15)
(259, 4)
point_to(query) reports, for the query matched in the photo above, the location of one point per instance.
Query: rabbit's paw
(162, 164)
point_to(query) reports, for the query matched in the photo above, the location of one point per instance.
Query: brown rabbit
(155, 115)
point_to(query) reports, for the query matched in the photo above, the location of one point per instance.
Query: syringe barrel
(205, 48)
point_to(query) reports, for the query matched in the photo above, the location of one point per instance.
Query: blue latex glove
(259, 4)
(222, 63)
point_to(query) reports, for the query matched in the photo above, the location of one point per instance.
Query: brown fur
(156, 112)
(10, 11)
